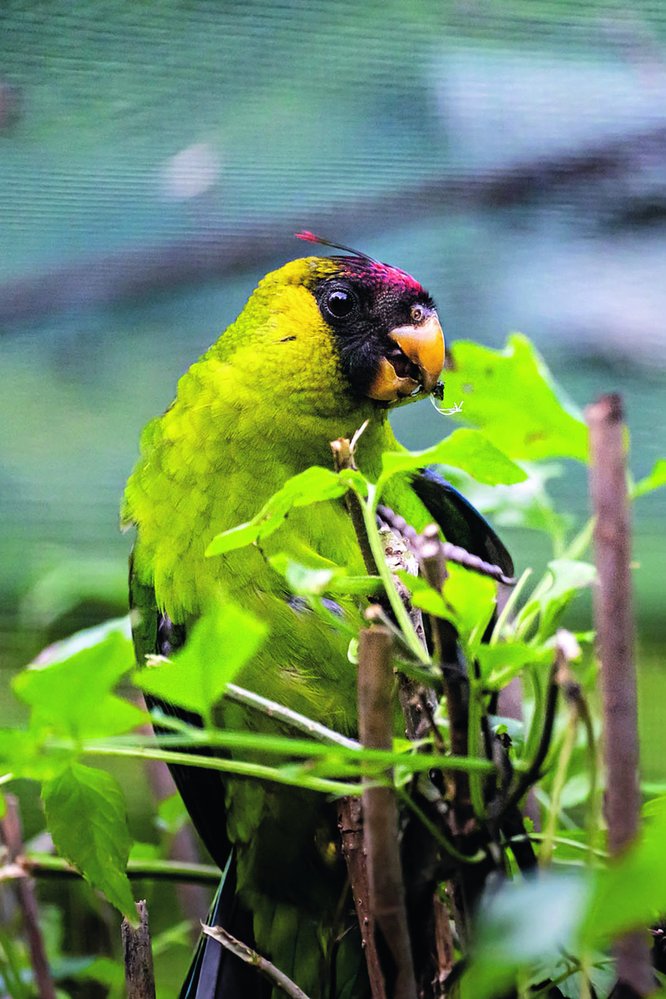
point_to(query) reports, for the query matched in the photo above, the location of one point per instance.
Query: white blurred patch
(192, 172)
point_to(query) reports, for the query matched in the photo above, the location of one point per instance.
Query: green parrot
(323, 345)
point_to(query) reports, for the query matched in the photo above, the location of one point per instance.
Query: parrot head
(384, 323)
(340, 331)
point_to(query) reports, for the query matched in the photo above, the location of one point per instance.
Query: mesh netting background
(155, 159)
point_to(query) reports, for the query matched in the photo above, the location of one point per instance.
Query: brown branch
(615, 640)
(387, 891)
(11, 834)
(251, 957)
(452, 553)
(350, 824)
(138, 955)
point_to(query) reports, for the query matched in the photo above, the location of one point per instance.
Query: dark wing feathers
(461, 523)
(201, 790)
(214, 972)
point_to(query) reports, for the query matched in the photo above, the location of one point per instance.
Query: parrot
(324, 345)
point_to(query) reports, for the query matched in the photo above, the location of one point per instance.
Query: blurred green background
(156, 158)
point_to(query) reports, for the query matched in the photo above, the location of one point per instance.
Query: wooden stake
(615, 640)
(139, 976)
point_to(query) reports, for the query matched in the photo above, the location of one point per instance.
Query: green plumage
(261, 405)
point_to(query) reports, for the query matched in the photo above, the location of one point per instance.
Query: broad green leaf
(522, 926)
(511, 396)
(472, 598)
(22, 754)
(321, 578)
(468, 599)
(86, 816)
(566, 577)
(655, 480)
(219, 646)
(631, 891)
(501, 663)
(469, 450)
(72, 695)
(526, 504)
(313, 485)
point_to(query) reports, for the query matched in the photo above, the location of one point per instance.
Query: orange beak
(415, 365)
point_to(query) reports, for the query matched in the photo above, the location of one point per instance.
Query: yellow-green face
(343, 325)
(384, 325)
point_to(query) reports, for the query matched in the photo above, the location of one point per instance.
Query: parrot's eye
(340, 302)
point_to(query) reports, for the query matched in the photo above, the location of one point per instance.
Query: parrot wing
(460, 521)
(214, 971)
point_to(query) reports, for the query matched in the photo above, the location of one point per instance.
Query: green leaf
(631, 891)
(521, 926)
(472, 598)
(323, 577)
(219, 646)
(655, 480)
(567, 576)
(72, 695)
(511, 396)
(314, 485)
(22, 754)
(468, 599)
(86, 816)
(469, 450)
(526, 504)
(501, 663)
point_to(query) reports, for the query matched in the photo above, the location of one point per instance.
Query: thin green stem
(292, 777)
(507, 610)
(279, 746)
(153, 869)
(574, 844)
(559, 779)
(473, 736)
(11, 969)
(369, 511)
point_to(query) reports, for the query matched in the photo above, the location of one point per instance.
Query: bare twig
(387, 892)
(11, 834)
(138, 955)
(299, 722)
(452, 553)
(251, 957)
(615, 631)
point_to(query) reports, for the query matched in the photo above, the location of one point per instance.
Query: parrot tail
(215, 973)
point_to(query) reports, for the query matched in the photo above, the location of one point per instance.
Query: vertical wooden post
(615, 640)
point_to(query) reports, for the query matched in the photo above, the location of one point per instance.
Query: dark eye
(340, 303)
